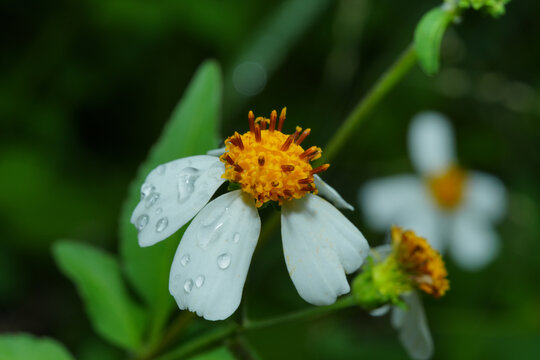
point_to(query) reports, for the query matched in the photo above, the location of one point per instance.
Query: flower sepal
(378, 285)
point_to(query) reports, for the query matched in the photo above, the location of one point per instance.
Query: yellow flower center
(270, 165)
(448, 188)
(418, 259)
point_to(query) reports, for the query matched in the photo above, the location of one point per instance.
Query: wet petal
(216, 152)
(474, 242)
(211, 263)
(331, 194)
(485, 195)
(431, 143)
(413, 329)
(320, 245)
(173, 193)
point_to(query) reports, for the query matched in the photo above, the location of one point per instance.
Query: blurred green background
(87, 86)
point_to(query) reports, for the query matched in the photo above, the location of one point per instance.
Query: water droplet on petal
(186, 183)
(236, 238)
(162, 224)
(185, 260)
(161, 169)
(146, 189)
(212, 229)
(188, 285)
(159, 211)
(151, 199)
(224, 261)
(141, 222)
(199, 281)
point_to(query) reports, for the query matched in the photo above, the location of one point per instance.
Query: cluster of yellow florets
(269, 164)
(418, 259)
(447, 188)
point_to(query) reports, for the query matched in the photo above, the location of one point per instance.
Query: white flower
(211, 263)
(453, 208)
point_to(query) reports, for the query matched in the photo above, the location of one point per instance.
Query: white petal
(380, 311)
(216, 152)
(431, 143)
(474, 242)
(173, 193)
(381, 252)
(413, 329)
(382, 200)
(211, 263)
(331, 194)
(486, 195)
(320, 245)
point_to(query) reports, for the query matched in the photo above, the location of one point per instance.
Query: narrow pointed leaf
(98, 279)
(191, 130)
(428, 36)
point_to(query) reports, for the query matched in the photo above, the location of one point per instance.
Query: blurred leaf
(428, 36)
(192, 130)
(274, 37)
(221, 353)
(26, 346)
(97, 277)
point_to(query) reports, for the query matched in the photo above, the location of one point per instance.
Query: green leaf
(192, 130)
(26, 346)
(97, 276)
(221, 353)
(428, 36)
(272, 40)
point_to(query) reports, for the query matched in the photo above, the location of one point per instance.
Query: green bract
(493, 7)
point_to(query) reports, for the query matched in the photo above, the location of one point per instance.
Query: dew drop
(146, 189)
(185, 260)
(188, 285)
(236, 238)
(162, 224)
(142, 221)
(199, 281)
(186, 183)
(151, 199)
(224, 261)
(159, 211)
(161, 169)
(212, 228)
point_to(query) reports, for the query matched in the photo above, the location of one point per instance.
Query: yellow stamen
(420, 261)
(448, 188)
(268, 164)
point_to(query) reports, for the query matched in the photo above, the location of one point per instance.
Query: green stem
(385, 83)
(307, 314)
(225, 332)
(168, 337)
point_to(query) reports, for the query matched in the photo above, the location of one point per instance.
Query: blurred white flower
(211, 263)
(453, 208)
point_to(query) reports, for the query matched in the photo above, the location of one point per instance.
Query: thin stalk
(213, 337)
(386, 82)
